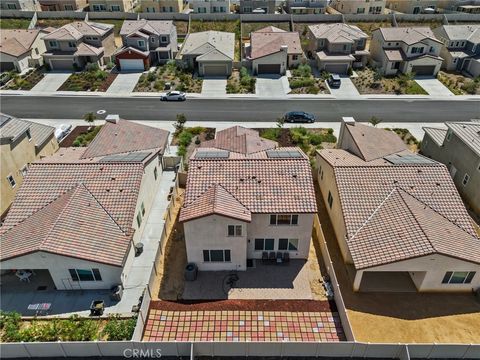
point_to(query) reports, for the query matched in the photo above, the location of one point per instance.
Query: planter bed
(303, 82)
(240, 82)
(25, 82)
(459, 84)
(95, 80)
(180, 79)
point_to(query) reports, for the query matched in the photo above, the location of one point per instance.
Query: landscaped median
(370, 81)
(178, 78)
(303, 82)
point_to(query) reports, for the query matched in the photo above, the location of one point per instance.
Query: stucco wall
(474, 67)
(352, 6)
(276, 58)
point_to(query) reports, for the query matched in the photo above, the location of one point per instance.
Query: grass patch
(92, 79)
(87, 137)
(11, 23)
(303, 82)
(248, 27)
(370, 82)
(226, 26)
(182, 27)
(459, 84)
(427, 23)
(43, 23)
(409, 140)
(240, 82)
(180, 79)
(26, 81)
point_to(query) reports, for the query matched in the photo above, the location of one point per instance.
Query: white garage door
(131, 64)
(336, 68)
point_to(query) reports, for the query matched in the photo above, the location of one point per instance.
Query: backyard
(179, 79)
(303, 82)
(189, 138)
(26, 81)
(92, 79)
(369, 81)
(240, 82)
(116, 30)
(431, 24)
(459, 84)
(248, 27)
(10, 23)
(368, 27)
(182, 27)
(412, 143)
(43, 23)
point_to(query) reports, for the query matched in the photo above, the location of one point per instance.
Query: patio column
(357, 281)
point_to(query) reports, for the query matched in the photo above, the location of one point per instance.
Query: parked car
(299, 117)
(4, 78)
(173, 96)
(334, 80)
(62, 130)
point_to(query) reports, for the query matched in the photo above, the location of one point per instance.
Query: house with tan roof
(273, 50)
(25, 5)
(337, 47)
(79, 43)
(458, 148)
(145, 43)
(247, 199)
(406, 50)
(79, 214)
(21, 49)
(63, 5)
(359, 6)
(211, 53)
(397, 216)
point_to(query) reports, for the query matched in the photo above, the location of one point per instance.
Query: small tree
(89, 118)
(180, 123)
(374, 121)
(404, 79)
(280, 122)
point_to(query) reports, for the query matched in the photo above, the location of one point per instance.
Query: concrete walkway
(433, 86)
(51, 81)
(124, 83)
(214, 86)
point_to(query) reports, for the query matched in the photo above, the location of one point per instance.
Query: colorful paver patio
(163, 325)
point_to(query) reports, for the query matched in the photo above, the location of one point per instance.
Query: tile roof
(201, 43)
(17, 42)
(438, 135)
(12, 128)
(374, 143)
(215, 200)
(241, 140)
(78, 29)
(468, 132)
(337, 32)
(269, 40)
(126, 136)
(391, 211)
(395, 54)
(409, 35)
(322, 55)
(469, 32)
(157, 27)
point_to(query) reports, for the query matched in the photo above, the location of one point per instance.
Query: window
(139, 219)
(71, 44)
(361, 11)
(141, 43)
(234, 230)
(458, 277)
(288, 244)
(11, 180)
(85, 274)
(155, 173)
(216, 256)
(142, 207)
(68, 7)
(115, 7)
(29, 135)
(264, 244)
(330, 199)
(294, 57)
(53, 43)
(465, 179)
(152, 39)
(284, 219)
(163, 39)
(24, 170)
(449, 135)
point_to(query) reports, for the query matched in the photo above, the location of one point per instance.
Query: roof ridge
(228, 192)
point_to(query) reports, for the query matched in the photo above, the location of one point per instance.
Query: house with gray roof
(406, 50)
(458, 147)
(461, 49)
(399, 221)
(211, 53)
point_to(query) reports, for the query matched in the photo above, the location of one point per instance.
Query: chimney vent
(112, 118)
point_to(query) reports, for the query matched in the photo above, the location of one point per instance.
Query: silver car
(62, 130)
(173, 96)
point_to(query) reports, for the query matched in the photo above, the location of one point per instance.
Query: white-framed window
(29, 135)
(465, 180)
(330, 199)
(216, 256)
(141, 43)
(163, 39)
(115, 7)
(69, 7)
(288, 244)
(11, 6)
(264, 244)
(449, 135)
(72, 44)
(53, 43)
(24, 170)
(458, 277)
(294, 57)
(155, 173)
(284, 219)
(85, 274)
(360, 10)
(11, 181)
(139, 219)
(234, 230)
(152, 39)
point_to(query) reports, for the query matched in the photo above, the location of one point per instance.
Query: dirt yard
(403, 317)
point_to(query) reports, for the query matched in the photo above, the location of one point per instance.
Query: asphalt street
(245, 110)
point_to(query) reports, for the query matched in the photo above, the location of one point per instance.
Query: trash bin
(191, 271)
(97, 307)
(116, 293)
(138, 248)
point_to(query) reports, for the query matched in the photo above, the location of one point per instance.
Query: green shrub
(315, 139)
(301, 82)
(119, 329)
(471, 87)
(271, 133)
(302, 71)
(197, 130)
(159, 85)
(151, 76)
(91, 67)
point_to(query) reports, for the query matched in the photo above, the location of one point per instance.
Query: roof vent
(112, 118)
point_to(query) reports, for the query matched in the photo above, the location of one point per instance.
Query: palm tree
(89, 117)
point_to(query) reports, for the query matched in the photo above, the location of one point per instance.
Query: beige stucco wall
(407, 6)
(154, 6)
(276, 58)
(125, 5)
(351, 6)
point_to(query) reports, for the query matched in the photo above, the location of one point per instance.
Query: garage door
(215, 70)
(62, 64)
(131, 64)
(7, 66)
(336, 68)
(423, 69)
(268, 69)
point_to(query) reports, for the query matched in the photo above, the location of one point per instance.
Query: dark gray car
(299, 117)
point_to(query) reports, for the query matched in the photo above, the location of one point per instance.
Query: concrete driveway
(52, 81)
(433, 86)
(346, 89)
(124, 82)
(272, 86)
(214, 86)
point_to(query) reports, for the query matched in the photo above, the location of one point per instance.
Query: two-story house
(461, 50)
(257, 6)
(306, 6)
(155, 6)
(25, 5)
(21, 142)
(337, 47)
(111, 5)
(412, 6)
(406, 50)
(210, 6)
(247, 199)
(458, 147)
(63, 5)
(76, 44)
(146, 42)
(359, 6)
(273, 50)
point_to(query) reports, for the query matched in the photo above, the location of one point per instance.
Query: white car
(62, 130)
(173, 96)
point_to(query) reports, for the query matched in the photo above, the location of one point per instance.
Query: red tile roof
(269, 40)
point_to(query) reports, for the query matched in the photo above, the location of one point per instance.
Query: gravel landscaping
(459, 84)
(93, 79)
(26, 81)
(240, 82)
(179, 79)
(303, 82)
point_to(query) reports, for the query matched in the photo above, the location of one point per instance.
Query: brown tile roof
(394, 212)
(216, 200)
(261, 184)
(17, 42)
(126, 136)
(269, 40)
(157, 27)
(409, 35)
(374, 143)
(241, 140)
(337, 32)
(78, 29)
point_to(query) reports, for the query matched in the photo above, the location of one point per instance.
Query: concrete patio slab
(272, 86)
(51, 81)
(124, 83)
(433, 86)
(214, 86)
